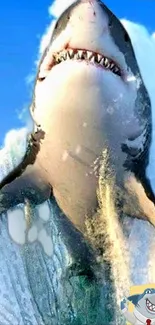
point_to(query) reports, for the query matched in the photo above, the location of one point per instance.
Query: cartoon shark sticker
(144, 308)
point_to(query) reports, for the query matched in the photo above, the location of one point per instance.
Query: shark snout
(89, 25)
(83, 12)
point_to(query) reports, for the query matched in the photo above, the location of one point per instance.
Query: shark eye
(56, 26)
(126, 37)
(148, 291)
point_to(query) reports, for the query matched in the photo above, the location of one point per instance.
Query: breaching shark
(88, 96)
(144, 308)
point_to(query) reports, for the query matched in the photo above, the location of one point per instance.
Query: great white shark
(88, 96)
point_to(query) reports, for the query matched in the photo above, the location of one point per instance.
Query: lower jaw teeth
(151, 308)
(92, 60)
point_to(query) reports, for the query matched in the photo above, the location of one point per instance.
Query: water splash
(106, 234)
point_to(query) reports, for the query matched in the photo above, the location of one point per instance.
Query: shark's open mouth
(81, 55)
(149, 305)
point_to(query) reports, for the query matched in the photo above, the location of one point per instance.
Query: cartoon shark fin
(134, 299)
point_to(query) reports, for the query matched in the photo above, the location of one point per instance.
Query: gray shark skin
(144, 310)
(89, 95)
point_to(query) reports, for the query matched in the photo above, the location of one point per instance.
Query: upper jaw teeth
(149, 305)
(88, 56)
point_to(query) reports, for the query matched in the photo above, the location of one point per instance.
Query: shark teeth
(88, 56)
(150, 306)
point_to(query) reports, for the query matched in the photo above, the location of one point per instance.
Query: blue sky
(22, 23)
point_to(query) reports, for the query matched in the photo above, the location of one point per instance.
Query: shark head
(90, 62)
(145, 303)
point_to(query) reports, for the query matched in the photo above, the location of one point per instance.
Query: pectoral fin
(139, 202)
(26, 180)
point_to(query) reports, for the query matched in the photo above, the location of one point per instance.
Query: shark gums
(92, 126)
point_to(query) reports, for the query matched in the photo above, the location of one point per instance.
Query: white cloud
(57, 7)
(14, 146)
(29, 79)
